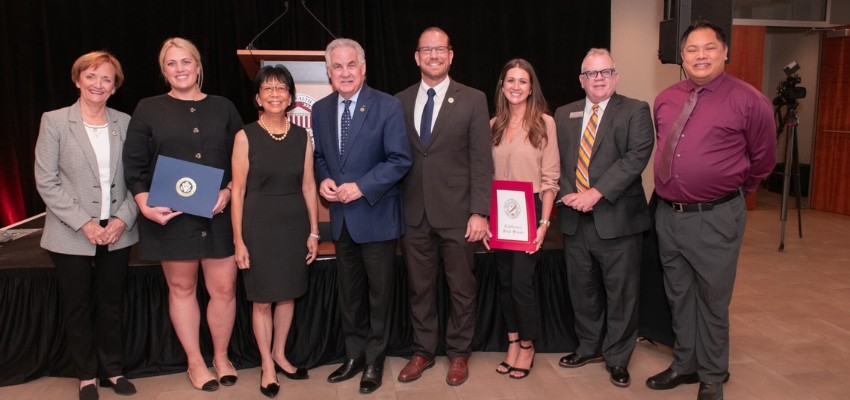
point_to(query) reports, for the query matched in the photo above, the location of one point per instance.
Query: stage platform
(32, 340)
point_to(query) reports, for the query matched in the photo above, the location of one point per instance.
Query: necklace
(95, 129)
(276, 136)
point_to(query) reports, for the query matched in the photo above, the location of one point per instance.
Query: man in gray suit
(605, 142)
(446, 201)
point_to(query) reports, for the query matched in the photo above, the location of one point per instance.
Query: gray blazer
(620, 153)
(67, 177)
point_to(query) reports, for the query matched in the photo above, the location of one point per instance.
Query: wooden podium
(311, 84)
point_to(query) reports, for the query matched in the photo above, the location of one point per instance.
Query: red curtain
(11, 199)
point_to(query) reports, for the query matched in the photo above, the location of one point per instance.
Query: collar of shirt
(710, 86)
(588, 111)
(422, 97)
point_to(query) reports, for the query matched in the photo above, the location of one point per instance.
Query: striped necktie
(585, 150)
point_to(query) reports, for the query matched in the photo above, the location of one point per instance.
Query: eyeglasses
(438, 49)
(270, 89)
(606, 73)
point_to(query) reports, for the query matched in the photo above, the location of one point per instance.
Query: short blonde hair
(184, 44)
(95, 59)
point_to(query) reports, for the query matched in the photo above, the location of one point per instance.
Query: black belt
(704, 206)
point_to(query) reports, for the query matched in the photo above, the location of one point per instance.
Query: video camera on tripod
(787, 93)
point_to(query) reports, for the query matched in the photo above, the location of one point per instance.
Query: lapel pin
(362, 108)
(192, 109)
(451, 100)
(114, 133)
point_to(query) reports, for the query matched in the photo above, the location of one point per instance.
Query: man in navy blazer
(361, 154)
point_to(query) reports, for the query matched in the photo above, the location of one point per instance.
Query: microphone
(285, 10)
(304, 3)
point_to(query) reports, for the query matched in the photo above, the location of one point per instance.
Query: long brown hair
(535, 107)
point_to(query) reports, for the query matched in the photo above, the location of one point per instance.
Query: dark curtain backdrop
(42, 38)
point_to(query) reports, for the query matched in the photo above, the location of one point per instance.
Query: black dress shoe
(346, 371)
(371, 379)
(574, 360)
(299, 374)
(668, 379)
(710, 391)
(620, 376)
(122, 386)
(88, 392)
(226, 380)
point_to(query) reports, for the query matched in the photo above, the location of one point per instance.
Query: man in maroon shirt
(706, 160)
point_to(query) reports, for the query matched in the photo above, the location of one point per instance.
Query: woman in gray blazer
(91, 220)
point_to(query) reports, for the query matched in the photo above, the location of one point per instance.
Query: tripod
(791, 163)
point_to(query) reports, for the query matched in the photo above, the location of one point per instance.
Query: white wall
(634, 46)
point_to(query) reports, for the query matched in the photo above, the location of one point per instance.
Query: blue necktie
(344, 126)
(427, 114)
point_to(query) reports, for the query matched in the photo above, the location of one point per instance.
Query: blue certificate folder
(185, 186)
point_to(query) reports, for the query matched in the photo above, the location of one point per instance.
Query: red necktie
(665, 165)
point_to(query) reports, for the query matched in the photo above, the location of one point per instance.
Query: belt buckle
(678, 207)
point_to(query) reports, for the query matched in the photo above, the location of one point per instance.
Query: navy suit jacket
(377, 157)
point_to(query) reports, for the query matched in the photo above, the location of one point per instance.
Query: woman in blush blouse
(525, 148)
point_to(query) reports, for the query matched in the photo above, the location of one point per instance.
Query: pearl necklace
(276, 136)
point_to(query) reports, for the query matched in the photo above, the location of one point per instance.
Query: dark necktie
(427, 114)
(344, 126)
(585, 150)
(665, 165)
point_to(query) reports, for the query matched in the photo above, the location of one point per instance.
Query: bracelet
(314, 235)
(545, 222)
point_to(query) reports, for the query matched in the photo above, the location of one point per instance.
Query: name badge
(577, 114)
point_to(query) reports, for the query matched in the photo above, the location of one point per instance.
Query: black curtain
(42, 38)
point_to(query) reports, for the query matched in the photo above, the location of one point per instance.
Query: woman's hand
(160, 215)
(113, 231)
(312, 249)
(541, 236)
(242, 258)
(223, 200)
(93, 232)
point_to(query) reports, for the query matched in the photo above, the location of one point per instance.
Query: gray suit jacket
(620, 153)
(68, 179)
(451, 177)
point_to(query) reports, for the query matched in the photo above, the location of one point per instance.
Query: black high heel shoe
(525, 372)
(505, 365)
(269, 390)
(299, 374)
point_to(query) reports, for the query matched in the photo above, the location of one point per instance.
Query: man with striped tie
(605, 142)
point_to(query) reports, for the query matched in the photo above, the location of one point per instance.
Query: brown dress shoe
(414, 368)
(458, 371)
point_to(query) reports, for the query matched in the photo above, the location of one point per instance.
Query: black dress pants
(92, 298)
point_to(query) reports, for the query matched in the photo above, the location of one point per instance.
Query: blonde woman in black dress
(275, 219)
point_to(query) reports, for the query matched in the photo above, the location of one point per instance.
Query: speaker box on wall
(679, 14)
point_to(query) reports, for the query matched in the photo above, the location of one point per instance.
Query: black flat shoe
(270, 391)
(226, 380)
(620, 376)
(371, 379)
(88, 392)
(346, 371)
(208, 386)
(122, 386)
(299, 374)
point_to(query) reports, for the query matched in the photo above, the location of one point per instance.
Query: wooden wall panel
(746, 62)
(831, 170)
